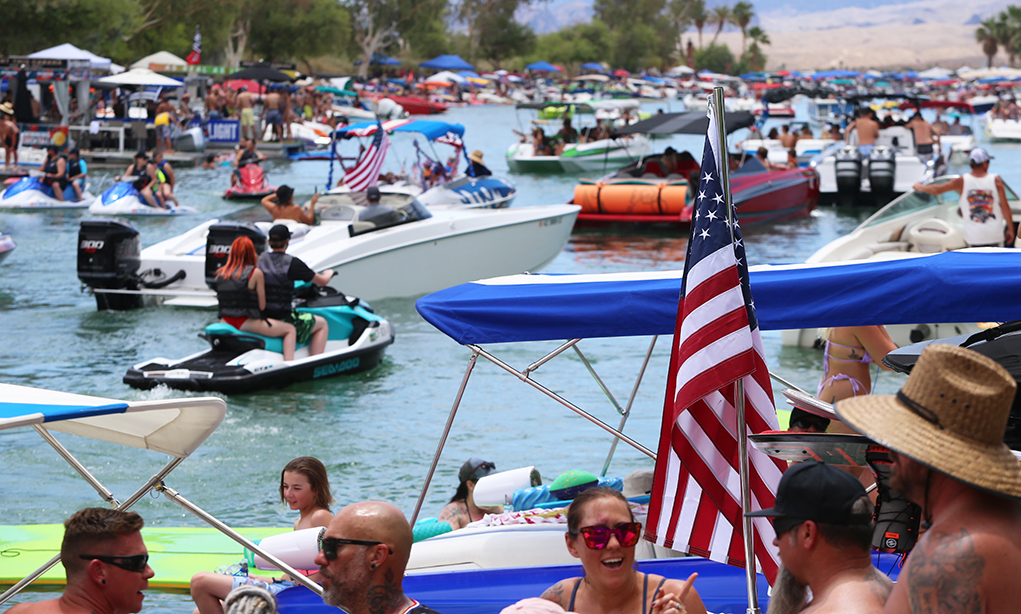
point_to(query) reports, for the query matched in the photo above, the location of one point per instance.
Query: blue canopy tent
(447, 62)
(542, 67)
(593, 66)
(378, 59)
(962, 286)
(836, 74)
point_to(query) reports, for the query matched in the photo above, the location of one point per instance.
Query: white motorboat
(1002, 129)
(823, 111)
(914, 224)
(407, 252)
(122, 198)
(435, 184)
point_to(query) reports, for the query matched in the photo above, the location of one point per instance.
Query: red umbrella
(621, 73)
(783, 73)
(251, 86)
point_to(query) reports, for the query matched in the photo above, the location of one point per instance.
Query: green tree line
(632, 34)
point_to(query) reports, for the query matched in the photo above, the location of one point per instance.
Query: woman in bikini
(305, 487)
(846, 363)
(602, 532)
(241, 293)
(462, 509)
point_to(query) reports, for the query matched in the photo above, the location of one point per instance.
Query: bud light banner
(222, 130)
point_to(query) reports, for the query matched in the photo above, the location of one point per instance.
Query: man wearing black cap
(377, 213)
(281, 271)
(822, 520)
(281, 206)
(462, 509)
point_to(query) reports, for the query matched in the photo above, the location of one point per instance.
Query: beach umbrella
(621, 73)
(542, 67)
(593, 66)
(248, 84)
(261, 72)
(447, 62)
(689, 122)
(140, 77)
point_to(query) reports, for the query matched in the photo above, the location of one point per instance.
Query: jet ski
(240, 362)
(251, 186)
(7, 245)
(123, 198)
(1002, 344)
(30, 193)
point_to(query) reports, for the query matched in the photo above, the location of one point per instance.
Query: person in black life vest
(77, 171)
(241, 294)
(281, 270)
(55, 169)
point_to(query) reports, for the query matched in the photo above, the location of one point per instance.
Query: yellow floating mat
(635, 197)
(175, 553)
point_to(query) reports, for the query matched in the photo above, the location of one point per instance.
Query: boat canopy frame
(176, 427)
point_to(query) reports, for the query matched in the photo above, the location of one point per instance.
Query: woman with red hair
(241, 292)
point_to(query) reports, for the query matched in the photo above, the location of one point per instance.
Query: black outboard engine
(219, 240)
(847, 165)
(109, 255)
(882, 169)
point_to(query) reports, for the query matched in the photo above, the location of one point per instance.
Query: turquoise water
(376, 432)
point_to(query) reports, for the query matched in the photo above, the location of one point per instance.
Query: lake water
(376, 432)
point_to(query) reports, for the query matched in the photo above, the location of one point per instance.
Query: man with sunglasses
(823, 524)
(362, 558)
(106, 563)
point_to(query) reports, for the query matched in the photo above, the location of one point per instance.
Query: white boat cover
(961, 286)
(172, 426)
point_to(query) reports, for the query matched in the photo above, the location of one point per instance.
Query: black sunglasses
(135, 562)
(328, 545)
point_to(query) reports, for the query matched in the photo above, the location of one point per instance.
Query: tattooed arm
(559, 593)
(945, 575)
(456, 514)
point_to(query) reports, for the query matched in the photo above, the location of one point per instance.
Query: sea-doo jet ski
(251, 186)
(240, 361)
(30, 193)
(123, 198)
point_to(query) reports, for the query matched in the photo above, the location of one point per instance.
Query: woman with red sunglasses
(602, 532)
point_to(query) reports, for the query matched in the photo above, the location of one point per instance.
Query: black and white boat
(239, 361)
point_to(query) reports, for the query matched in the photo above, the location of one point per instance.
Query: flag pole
(742, 430)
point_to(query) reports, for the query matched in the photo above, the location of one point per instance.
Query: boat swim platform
(98, 158)
(175, 553)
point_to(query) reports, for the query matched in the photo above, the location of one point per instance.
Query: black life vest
(235, 299)
(51, 166)
(74, 168)
(279, 287)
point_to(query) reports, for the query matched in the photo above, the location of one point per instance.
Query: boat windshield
(350, 207)
(913, 202)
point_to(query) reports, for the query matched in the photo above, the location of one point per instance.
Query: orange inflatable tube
(634, 196)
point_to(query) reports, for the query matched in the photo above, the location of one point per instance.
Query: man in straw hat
(823, 524)
(476, 167)
(10, 136)
(945, 430)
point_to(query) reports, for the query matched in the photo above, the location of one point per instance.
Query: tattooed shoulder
(945, 575)
(555, 593)
(879, 584)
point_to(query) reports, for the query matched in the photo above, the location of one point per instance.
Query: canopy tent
(681, 69)
(445, 77)
(936, 72)
(141, 77)
(593, 66)
(378, 59)
(689, 122)
(542, 66)
(961, 286)
(447, 62)
(161, 57)
(432, 129)
(67, 51)
(836, 74)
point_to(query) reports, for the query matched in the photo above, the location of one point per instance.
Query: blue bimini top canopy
(962, 286)
(432, 129)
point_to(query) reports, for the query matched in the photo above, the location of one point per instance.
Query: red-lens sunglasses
(597, 537)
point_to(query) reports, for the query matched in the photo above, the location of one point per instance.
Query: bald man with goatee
(364, 554)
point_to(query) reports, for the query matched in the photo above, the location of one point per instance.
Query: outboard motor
(882, 169)
(219, 240)
(847, 165)
(109, 255)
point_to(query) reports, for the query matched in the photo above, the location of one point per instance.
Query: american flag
(195, 57)
(366, 172)
(696, 498)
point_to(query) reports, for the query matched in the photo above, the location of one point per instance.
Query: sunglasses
(596, 538)
(328, 545)
(783, 524)
(135, 562)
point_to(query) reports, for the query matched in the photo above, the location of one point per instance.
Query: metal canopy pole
(599, 382)
(446, 432)
(295, 575)
(156, 479)
(630, 402)
(742, 429)
(571, 406)
(77, 466)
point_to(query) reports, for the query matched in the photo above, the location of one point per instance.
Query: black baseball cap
(475, 468)
(372, 193)
(815, 491)
(279, 233)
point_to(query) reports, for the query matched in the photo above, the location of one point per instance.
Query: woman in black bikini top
(462, 509)
(601, 531)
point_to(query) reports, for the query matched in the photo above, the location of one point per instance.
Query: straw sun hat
(950, 415)
(476, 156)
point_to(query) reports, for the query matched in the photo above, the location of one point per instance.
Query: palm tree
(1004, 32)
(741, 15)
(758, 35)
(719, 16)
(699, 17)
(986, 36)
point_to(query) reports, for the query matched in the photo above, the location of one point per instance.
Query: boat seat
(935, 235)
(273, 344)
(867, 251)
(345, 323)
